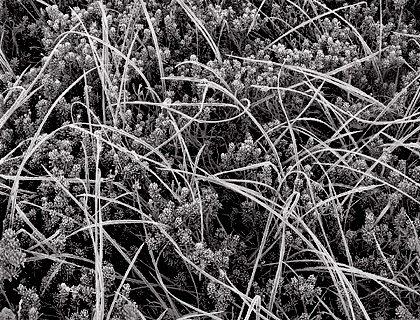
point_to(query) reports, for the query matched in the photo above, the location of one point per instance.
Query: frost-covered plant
(29, 304)
(12, 258)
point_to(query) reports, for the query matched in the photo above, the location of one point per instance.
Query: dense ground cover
(176, 159)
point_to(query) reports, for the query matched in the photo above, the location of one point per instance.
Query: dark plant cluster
(227, 147)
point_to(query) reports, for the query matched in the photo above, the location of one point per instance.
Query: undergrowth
(171, 159)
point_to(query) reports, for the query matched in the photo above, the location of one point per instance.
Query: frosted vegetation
(217, 159)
